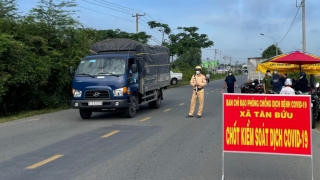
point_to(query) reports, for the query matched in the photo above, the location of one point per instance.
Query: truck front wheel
(132, 109)
(85, 113)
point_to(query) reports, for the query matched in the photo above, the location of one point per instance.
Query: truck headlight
(76, 93)
(118, 92)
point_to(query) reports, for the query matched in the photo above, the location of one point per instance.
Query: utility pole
(304, 24)
(303, 6)
(215, 61)
(137, 20)
(224, 62)
(220, 59)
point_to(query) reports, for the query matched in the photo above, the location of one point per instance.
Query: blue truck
(119, 75)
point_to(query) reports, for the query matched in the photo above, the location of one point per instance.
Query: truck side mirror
(70, 70)
(134, 68)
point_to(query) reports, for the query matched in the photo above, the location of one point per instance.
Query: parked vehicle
(175, 77)
(315, 101)
(272, 92)
(118, 75)
(252, 87)
(244, 69)
(251, 68)
(315, 104)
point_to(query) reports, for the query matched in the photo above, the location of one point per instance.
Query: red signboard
(263, 123)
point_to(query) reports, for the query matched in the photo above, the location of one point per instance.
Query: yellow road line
(181, 104)
(33, 120)
(44, 161)
(145, 119)
(166, 110)
(110, 134)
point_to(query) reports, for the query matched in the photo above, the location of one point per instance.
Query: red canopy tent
(296, 57)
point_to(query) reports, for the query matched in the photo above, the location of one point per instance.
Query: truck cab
(103, 82)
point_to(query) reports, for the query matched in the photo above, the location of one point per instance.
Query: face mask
(197, 72)
(230, 74)
(268, 74)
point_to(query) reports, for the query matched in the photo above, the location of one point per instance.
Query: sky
(233, 25)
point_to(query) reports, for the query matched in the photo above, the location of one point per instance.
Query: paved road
(156, 145)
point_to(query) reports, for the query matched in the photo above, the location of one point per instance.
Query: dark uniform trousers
(230, 89)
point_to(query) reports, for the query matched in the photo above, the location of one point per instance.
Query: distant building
(210, 64)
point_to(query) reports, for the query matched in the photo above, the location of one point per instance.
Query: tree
(99, 35)
(189, 38)
(8, 9)
(53, 17)
(163, 28)
(270, 52)
(190, 58)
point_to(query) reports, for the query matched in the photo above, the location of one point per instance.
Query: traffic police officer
(198, 81)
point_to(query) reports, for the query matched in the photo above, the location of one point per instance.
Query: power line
(149, 27)
(116, 6)
(113, 15)
(120, 18)
(147, 18)
(121, 6)
(291, 24)
(105, 6)
(150, 16)
(105, 13)
(155, 40)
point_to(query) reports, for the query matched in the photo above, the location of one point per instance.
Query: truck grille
(98, 94)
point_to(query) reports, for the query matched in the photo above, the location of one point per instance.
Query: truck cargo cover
(153, 61)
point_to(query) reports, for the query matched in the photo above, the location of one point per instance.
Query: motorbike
(272, 92)
(252, 87)
(315, 103)
(207, 79)
(315, 107)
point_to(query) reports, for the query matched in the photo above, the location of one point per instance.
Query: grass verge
(26, 114)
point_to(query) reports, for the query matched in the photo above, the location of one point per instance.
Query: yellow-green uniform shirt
(266, 81)
(200, 79)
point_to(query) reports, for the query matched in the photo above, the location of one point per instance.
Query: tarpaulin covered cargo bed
(153, 61)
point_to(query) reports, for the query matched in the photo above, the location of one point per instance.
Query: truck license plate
(95, 103)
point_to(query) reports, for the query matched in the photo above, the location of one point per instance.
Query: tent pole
(300, 67)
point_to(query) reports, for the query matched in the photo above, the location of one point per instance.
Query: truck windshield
(101, 66)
